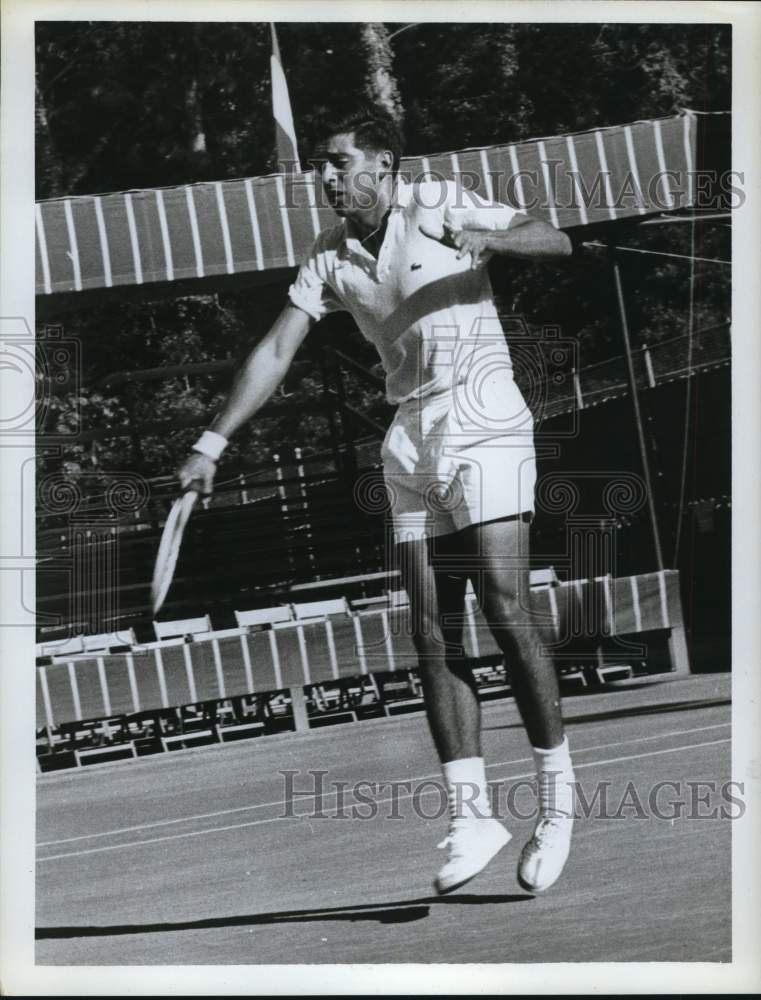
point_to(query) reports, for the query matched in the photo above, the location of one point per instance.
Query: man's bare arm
(262, 372)
(525, 238)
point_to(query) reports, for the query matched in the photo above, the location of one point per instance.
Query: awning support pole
(634, 393)
(335, 442)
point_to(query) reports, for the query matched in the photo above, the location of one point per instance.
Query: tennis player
(407, 261)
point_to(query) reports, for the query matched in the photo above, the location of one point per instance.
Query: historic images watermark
(87, 508)
(320, 797)
(41, 421)
(34, 370)
(702, 189)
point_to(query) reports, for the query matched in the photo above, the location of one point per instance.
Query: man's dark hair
(372, 128)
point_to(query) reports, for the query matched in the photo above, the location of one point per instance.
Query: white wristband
(211, 444)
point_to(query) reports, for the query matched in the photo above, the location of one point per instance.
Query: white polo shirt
(430, 316)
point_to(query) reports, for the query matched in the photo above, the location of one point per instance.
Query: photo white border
(18, 974)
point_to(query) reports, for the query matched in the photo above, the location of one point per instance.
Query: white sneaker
(544, 856)
(472, 842)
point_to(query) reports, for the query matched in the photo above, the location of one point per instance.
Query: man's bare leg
(437, 602)
(498, 552)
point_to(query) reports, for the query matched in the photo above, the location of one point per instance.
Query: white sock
(555, 778)
(466, 787)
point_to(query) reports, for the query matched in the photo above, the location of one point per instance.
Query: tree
(380, 84)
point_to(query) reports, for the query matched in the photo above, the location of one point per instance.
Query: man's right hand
(200, 470)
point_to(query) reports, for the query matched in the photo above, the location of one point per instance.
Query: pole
(284, 512)
(334, 436)
(305, 507)
(348, 436)
(634, 392)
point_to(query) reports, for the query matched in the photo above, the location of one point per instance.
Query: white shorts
(459, 458)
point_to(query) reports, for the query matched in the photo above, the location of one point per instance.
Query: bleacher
(324, 661)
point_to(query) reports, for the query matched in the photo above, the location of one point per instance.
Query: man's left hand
(464, 241)
(473, 242)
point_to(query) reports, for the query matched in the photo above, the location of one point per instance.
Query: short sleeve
(465, 209)
(311, 291)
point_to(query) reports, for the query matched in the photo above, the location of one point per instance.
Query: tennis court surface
(200, 857)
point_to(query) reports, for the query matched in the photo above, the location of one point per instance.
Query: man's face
(350, 176)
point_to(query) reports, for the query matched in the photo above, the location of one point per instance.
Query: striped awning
(206, 230)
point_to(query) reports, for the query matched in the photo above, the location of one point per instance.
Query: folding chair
(197, 628)
(314, 612)
(264, 619)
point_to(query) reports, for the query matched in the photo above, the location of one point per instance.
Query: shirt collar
(400, 200)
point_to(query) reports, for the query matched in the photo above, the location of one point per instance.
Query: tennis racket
(169, 548)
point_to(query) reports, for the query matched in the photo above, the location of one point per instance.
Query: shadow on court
(625, 713)
(382, 913)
